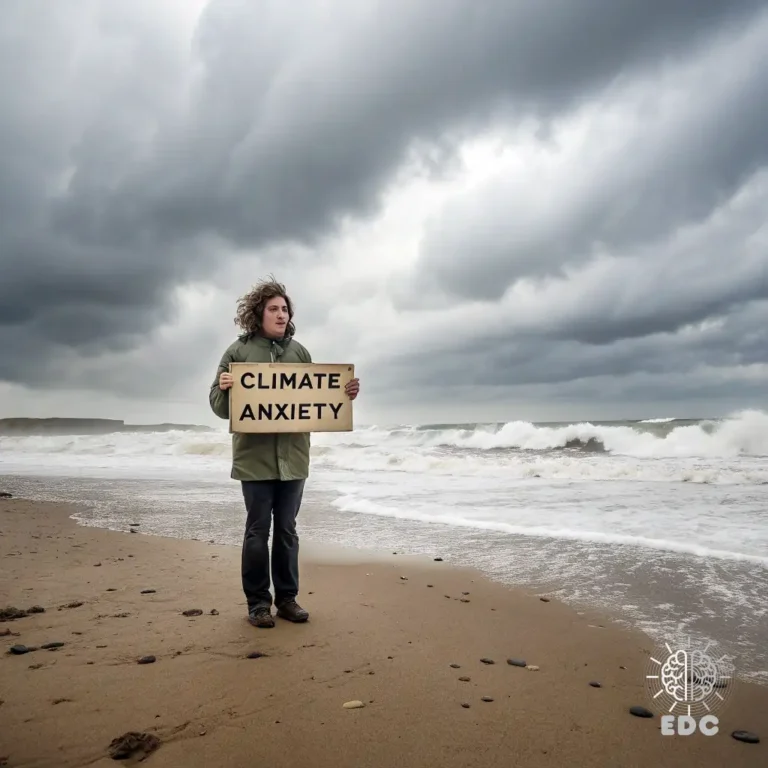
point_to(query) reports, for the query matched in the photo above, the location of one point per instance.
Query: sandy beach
(410, 638)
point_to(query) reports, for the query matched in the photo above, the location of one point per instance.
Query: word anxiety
(288, 411)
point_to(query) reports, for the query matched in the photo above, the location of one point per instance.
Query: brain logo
(688, 681)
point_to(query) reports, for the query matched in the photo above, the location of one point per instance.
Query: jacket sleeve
(218, 398)
(304, 354)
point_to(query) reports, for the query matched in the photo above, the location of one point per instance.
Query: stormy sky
(498, 210)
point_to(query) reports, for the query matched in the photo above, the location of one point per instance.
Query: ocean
(661, 523)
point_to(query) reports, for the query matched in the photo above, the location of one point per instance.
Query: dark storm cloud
(536, 360)
(126, 160)
(668, 171)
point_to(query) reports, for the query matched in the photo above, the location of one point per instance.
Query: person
(272, 468)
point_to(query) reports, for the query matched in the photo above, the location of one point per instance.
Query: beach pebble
(455, 666)
(148, 591)
(595, 684)
(11, 613)
(97, 565)
(640, 712)
(5, 495)
(532, 667)
(193, 612)
(465, 705)
(746, 736)
(487, 661)
(255, 655)
(40, 609)
(403, 578)
(517, 662)
(147, 660)
(430, 585)
(214, 612)
(464, 679)
(544, 599)
(486, 698)
(465, 593)
(132, 744)
(464, 600)
(438, 559)
(353, 704)
(51, 646)
(18, 650)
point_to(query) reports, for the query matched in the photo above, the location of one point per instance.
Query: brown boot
(261, 617)
(292, 611)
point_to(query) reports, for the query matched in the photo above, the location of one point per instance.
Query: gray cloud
(669, 169)
(129, 163)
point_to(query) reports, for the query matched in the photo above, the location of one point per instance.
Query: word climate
(281, 397)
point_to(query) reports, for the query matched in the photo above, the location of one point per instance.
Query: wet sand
(411, 639)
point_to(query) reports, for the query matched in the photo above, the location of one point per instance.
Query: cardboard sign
(290, 397)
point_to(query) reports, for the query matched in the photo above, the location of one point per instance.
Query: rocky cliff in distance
(65, 426)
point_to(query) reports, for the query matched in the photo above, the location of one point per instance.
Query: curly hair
(250, 308)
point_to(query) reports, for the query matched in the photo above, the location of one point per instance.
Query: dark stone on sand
(430, 585)
(464, 679)
(622, 667)
(192, 612)
(133, 530)
(746, 736)
(111, 589)
(640, 712)
(487, 661)
(403, 578)
(595, 684)
(544, 599)
(97, 565)
(148, 591)
(486, 698)
(73, 604)
(18, 650)
(465, 705)
(438, 559)
(255, 655)
(51, 646)
(464, 599)
(134, 525)
(5, 495)
(455, 666)
(147, 660)
(214, 612)
(517, 662)
(10, 613)
(133, 743)
(465, 593)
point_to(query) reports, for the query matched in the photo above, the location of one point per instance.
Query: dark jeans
(264, 501)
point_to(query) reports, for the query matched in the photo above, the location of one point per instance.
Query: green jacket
(274, 456)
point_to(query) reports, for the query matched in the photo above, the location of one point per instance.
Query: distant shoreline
(73, 426)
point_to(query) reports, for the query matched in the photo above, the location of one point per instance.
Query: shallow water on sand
(662, 523)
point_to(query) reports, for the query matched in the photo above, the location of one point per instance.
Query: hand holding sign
(283, 397)
(352, 388)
